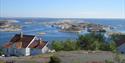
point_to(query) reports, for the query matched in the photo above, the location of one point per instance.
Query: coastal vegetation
(91, 41)
(1, 51)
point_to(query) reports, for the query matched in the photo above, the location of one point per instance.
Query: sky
(63, 8)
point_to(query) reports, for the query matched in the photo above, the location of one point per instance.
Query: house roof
(120, 42)
(20, 42)
(8, 45)
(38, 44)
(23, 41)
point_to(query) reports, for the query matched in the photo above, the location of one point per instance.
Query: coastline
(51, 34)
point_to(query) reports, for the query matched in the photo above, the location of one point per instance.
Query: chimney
(21, 34)
(40, 41)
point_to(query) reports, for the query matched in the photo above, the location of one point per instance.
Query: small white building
(25, 45)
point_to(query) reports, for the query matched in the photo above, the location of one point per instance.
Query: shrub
(54, 59)
(108, 61)
(1, 51)
(67, 45)
(57, 45)
(91, 41)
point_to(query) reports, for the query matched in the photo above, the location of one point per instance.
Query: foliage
(1, 51)
(112, 46)
(95, 41)
(108, 61)
(57, 45)
(66, 45)
(69, 45)
(54, 59)
(116, 37)
(91, 41)
(118, 58)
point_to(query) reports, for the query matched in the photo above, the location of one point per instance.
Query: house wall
(27, 51)
(122, 48)
(9, 51)
(44, 49)
(22, 52)
(36, 51)
(17, 52)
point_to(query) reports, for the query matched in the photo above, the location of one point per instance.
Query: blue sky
(63, 8)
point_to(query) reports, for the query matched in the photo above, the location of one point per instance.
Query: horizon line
(68, 17)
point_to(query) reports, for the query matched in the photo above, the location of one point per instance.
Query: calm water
(38, 25)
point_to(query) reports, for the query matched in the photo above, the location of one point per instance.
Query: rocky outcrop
(8, 26)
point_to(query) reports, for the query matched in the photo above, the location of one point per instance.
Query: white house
(25, 45)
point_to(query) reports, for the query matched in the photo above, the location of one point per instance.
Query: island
(78, 27)
(9, 26)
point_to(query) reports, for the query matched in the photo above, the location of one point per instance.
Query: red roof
(8, 45)
(23, 42)
(120, 42)
(20, 42)
(38, 44)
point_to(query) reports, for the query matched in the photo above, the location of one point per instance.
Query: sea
(32, 26)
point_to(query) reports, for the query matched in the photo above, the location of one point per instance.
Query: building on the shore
(121, 45)
(119, 39)
(25, 45)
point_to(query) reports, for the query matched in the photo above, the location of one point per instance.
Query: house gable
(20, 42)
(20, 45)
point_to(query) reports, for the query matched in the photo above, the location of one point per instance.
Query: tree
(1, 51)
(69, 45)
(112, 47)
(57, 45)
(95, 45)
(91, 41)
(84, 41)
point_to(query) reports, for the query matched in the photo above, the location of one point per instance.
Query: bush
(95, 41)
(67, 45)
(54, 59)
(1, 51)
(57, 45)
(91, 41)
(108, 61)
